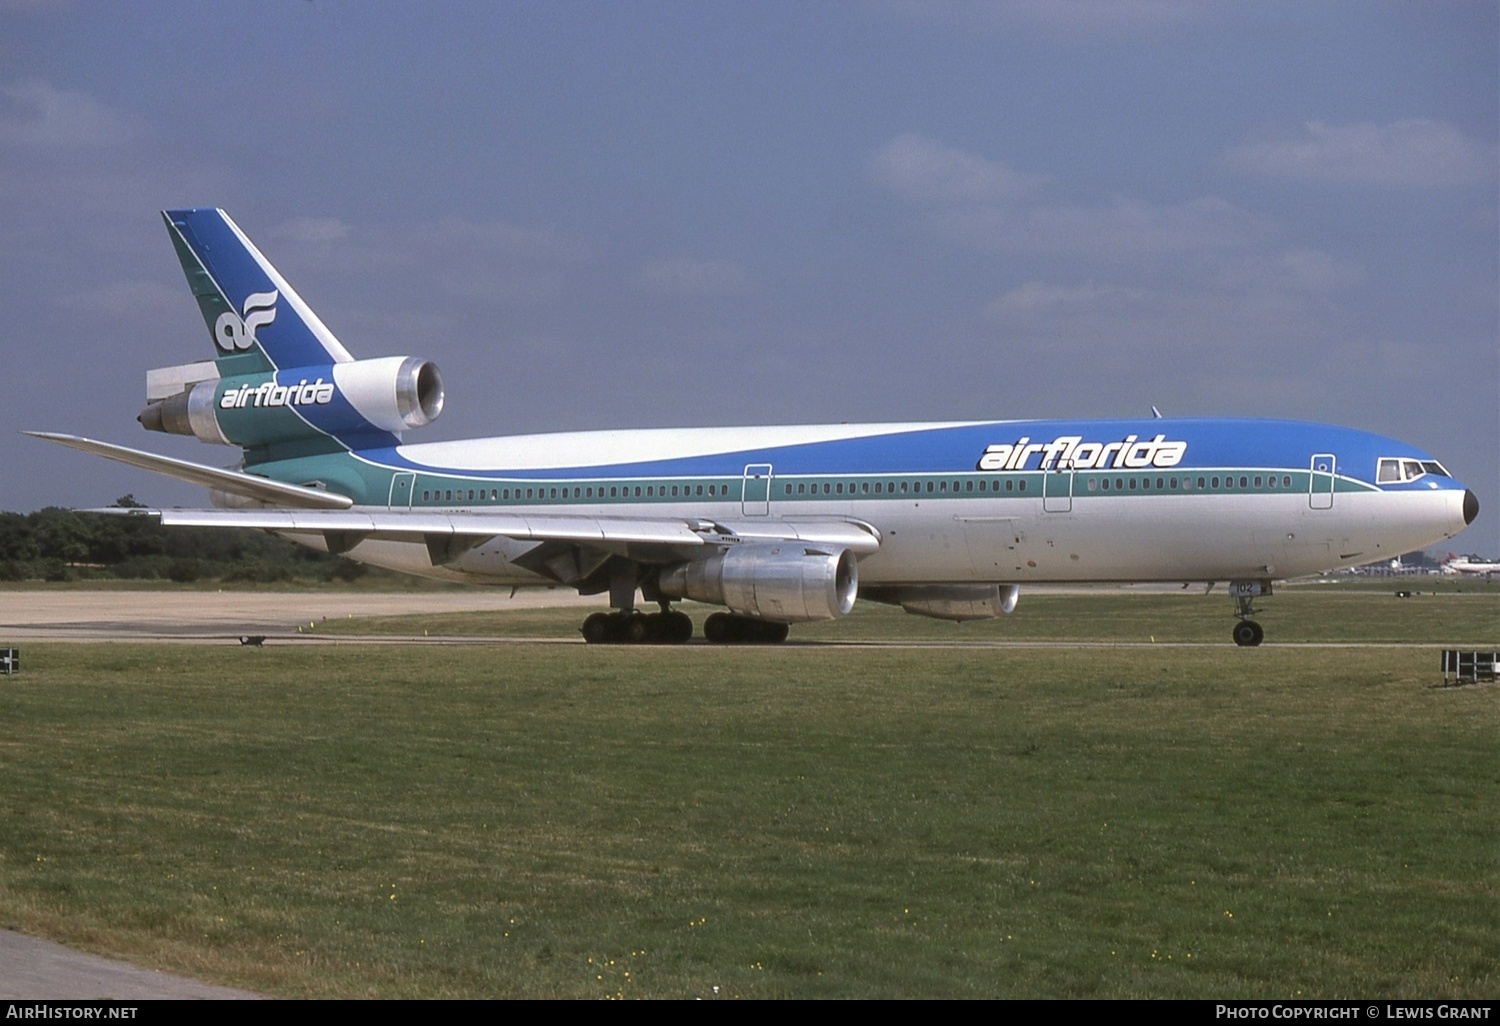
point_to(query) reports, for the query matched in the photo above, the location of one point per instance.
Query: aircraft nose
(1471, 506)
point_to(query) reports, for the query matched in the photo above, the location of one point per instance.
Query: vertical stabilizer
(257, 321)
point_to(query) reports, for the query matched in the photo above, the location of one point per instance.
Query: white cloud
(1297, 270)
(142, 302)
(926, 171)
(36, 114)
(987, 205)
(1413, 151)
(1042, 299)
(311, 231)
(697, 278)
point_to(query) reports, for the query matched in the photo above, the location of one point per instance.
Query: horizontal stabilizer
(231, 481)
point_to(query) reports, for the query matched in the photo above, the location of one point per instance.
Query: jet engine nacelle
(783, 582)
(957, 602)
(360, 397)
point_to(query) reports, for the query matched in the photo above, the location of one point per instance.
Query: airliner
(1470, 565)
(778, 525)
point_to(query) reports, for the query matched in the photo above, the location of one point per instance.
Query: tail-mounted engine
(360, 397)
(784, 582)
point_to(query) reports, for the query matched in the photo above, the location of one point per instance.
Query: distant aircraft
(780, 525)
(1470, 566)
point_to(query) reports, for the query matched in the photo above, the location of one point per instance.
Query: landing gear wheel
(717, 628)
(1248, 634)
(596, 629)
(677, 628)
(633, 628)
(726, 628)
(774, 633)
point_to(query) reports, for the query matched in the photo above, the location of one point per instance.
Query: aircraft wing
(449, 535)
(232, 481)
(584, 530)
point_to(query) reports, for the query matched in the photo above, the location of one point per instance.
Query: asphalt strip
(39, 970)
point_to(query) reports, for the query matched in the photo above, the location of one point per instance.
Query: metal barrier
(1461, 667)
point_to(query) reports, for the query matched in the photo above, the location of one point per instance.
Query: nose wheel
(1248, 634)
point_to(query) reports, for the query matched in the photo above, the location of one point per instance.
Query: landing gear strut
(1247, 633)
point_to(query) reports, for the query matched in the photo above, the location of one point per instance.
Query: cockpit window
(1394, 471)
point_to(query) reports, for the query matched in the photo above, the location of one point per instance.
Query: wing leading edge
(234, 482)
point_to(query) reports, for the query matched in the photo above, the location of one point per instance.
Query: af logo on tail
(235, 333)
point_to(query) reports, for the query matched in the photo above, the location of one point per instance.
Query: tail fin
(257, 321)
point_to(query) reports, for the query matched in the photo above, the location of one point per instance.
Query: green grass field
(1456, 615)
(804, 821)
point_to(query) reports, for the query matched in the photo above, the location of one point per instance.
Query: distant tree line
(55, 544)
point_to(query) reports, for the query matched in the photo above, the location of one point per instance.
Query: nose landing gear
(1247, 633)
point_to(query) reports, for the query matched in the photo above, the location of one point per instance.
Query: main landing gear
(1247, 633)
(626, 626)
(667, 627)
(670, 627)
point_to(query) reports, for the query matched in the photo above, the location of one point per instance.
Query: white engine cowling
(783, 582)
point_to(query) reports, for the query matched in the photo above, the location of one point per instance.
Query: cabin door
(1057, 491)
(756, 496)
(402, 485)
(1320, 487)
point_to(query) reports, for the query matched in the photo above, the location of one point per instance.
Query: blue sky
(649, 214)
